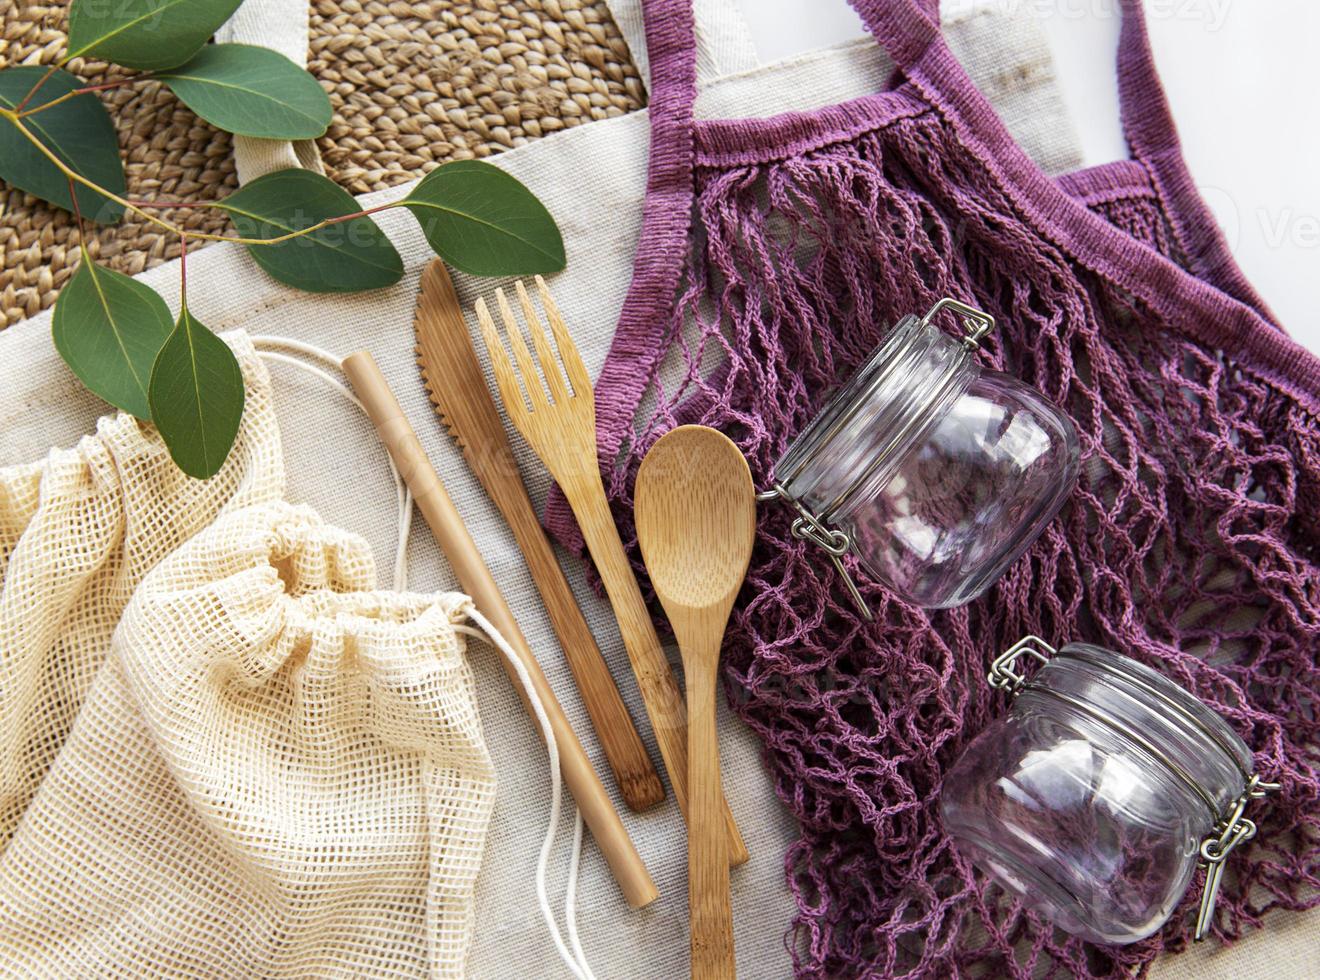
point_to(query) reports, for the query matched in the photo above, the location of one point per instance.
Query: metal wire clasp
(1002, 674)
(978, 322)
(1232, 830)
(835, 542)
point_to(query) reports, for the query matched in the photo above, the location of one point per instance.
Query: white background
(1243, 78)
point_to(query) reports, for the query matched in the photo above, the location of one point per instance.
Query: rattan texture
(412, 85)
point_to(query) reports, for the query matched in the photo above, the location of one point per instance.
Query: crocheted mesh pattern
(1189, 544)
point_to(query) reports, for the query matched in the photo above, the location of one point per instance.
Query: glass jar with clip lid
(1100, 791)
(934, 471)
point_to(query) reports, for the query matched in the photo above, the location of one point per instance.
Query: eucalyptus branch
(140, 207)
(22, 113)
(116, 332)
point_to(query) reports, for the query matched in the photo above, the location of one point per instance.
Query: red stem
(183, 271)
(358, 214)
(77, 214)
(108, 85)
(70, 94)
(40, 82)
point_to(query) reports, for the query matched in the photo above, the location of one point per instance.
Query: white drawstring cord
(575, 959)
(570, 895)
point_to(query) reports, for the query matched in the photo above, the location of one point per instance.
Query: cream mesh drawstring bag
(278, 772)
(78, 530)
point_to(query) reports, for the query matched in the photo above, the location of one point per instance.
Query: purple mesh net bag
(775, 255)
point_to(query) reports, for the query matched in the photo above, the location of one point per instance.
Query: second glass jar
(1096, 796)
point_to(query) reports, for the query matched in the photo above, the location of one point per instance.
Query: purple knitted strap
(902, 27)
(1226, 314)
(671, 48)
(1153, 139)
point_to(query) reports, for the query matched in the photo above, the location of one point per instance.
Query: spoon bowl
(696, 516)
(695, 510)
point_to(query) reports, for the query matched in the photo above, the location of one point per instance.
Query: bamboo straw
(433, 501)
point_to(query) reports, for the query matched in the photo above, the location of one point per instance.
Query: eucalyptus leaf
(484, 222)
(79, 132)
(145, 34)
(196, 396)
(252, 91)
(346, 257)
(109, 328)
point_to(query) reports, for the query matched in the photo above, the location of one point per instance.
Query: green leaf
(484, 222)
(109, 329)
(251, 91)
(145, 34)
(78, 131)
(345, 257)
(197, 396)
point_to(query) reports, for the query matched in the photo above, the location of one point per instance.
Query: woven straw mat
(412, 85)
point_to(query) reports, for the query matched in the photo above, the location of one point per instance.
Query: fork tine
(568, 352)
(550, 370)
(505, 376)
(531, 377)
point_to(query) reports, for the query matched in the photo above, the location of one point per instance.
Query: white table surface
(1244, 83)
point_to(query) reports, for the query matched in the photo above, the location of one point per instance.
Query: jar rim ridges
(1203, 722)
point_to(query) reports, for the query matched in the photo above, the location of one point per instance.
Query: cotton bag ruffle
(78, 531)
(278, 772)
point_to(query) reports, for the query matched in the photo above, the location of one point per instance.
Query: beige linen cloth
(592, 178)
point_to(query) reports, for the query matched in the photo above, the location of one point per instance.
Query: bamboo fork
(561, 430)
(448, 358)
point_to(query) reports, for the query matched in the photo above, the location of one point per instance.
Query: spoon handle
(655, 678)
(710, 911)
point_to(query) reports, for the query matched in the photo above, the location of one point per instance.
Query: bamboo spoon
(696, 518)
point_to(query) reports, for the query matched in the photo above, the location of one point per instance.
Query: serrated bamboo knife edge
(464, 403)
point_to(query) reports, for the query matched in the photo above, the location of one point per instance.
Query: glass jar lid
(905, 384)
